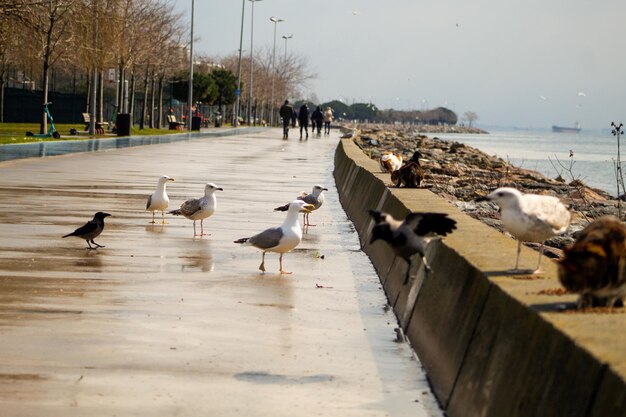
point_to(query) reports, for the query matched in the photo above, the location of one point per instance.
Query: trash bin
(218, 119)
(123, 124)
(196, 121)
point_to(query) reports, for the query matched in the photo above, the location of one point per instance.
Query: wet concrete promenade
(159, 323)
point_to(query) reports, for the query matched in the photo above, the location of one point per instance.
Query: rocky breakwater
(460, 174)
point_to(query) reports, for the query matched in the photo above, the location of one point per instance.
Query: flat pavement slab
(161, 323)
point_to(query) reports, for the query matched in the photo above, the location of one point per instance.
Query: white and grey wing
(149, 202)
(267, 239)
(189, 207)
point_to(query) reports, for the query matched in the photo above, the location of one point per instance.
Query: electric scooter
(52, 132)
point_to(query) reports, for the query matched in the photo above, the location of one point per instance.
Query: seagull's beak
(483, 198)
(171, 179)
(324, 189)
(220, 188)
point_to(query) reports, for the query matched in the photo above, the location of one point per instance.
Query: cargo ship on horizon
(563, 129)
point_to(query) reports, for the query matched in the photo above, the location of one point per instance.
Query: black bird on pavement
(91, 229)
(412, 235)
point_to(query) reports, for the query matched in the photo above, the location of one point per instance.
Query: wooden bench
(100, 126)
(173, 124)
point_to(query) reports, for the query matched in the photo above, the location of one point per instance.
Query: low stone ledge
(493, 345)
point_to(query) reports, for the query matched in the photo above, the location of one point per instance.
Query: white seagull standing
(199, 208)
(315, 198)
(280, 239)
(530, 217)
(159, 201)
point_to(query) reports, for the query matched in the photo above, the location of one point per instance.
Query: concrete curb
(490, 344)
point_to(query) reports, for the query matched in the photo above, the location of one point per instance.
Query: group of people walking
(289, 116)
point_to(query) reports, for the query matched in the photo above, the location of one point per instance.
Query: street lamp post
(275, 20)
(251, 63)
(286, 38)
(238, 92)
(190, 92)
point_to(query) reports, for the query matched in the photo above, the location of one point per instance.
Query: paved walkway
(160, 323)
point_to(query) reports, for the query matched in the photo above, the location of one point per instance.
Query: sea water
(594, 154)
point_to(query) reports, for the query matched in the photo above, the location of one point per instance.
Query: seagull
(199, 208)
(159, 201)
(595, 265)
(91, 229)
(390, 162)
(412, 235)
(530, 217)
(280, 239)
(316, 198)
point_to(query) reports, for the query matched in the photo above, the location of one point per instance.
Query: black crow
(91, 229)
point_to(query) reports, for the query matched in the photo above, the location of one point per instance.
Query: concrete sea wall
(493, 345)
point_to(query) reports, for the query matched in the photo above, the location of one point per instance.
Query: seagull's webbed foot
(97, 245)
(282, 271)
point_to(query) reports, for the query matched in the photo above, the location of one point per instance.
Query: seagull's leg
(538, 270)
(163, 217)
(153, 218)
(89, 244)
(194, 229)
(519, 249)
(97, 245)
(282, 271)
(262, 266)
(308, 221)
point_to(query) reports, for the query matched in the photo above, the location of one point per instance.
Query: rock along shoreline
(460, 174)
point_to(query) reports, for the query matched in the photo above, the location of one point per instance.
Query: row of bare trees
(146, 41)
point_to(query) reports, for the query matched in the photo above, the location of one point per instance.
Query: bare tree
(471, 117)
(50, 27)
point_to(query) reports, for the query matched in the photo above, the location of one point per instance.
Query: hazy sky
(524, 63)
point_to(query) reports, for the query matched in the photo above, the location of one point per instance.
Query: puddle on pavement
(267, 378)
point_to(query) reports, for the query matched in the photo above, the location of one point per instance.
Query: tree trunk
(131, 98)
(144, 107)
(152, 99)
(160, 125)
(101, 98)
(2, 84)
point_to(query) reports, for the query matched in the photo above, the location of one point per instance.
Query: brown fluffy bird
(410, 174)
(595, 265)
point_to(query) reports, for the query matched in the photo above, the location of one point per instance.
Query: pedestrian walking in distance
(286, 113)
(303, 119)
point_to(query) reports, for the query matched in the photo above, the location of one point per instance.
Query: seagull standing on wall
(411, 236)
(159, 200)
(199, 208)
(390, 162)
(280, 239)
(530, 218)
(315, 198)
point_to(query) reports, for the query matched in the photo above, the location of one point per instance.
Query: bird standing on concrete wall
(411, 236)
(280, 239)
(199, 208)
(390, 162)
(595, 265)
(159, 200)
(91, 229)
(315, 198)
(530, 218)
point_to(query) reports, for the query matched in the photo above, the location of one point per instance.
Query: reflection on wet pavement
(168, 324)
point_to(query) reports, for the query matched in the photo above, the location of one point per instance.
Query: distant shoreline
(422, 128)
